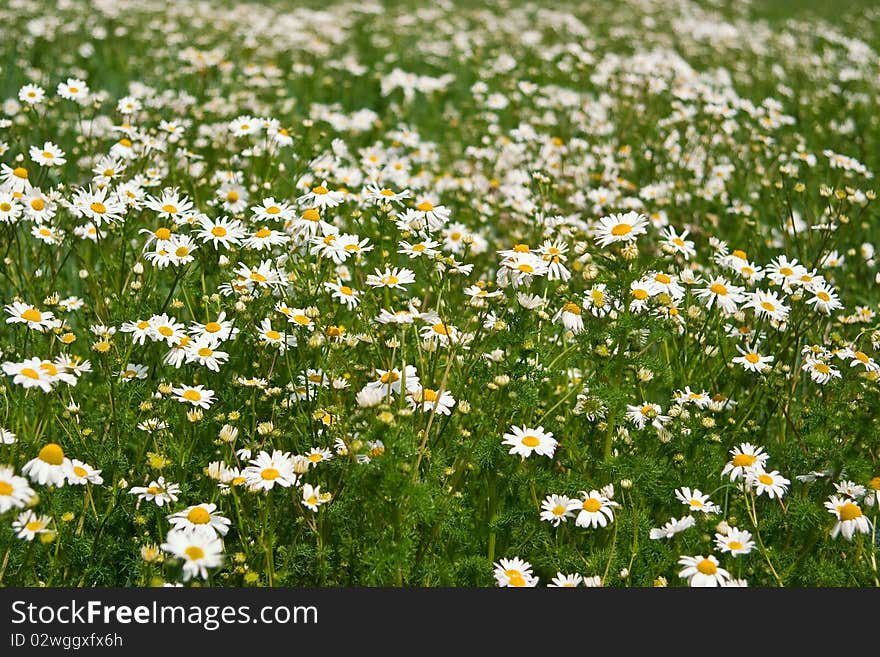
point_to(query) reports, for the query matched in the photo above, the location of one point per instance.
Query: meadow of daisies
(438, 294)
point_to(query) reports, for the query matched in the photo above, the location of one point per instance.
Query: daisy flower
(735, 541)
(345, 294)
(50, 467)
(744, 457)
(771, 483)
(321, 197)
(15, 493)
(702, 571)
(677, 244)
(620, 228)
(195, 395)
(199, 549)
(514, 573)
(696, 500)
(566, 581)
(30, 316)
(752, 361)
(673, 527)
(267, 470)
(525, 441)
(391, 277)
(558, 508)
(200, 515)
(850, 518)
(318, 455)
(824, 300)
(74, 89)
(641, 414)
(820, 371)
(82, 473)
(48, 156)
(221, 231)
(159, 491)
(28, 524)
(860, 358)
(312, 497)
(595, 510)
(722, 293)
(431, 400)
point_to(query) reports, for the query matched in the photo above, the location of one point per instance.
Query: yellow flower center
(273, 335)
(390, 280)
(441, 329)
(521, 248)
(302, 320)
(320, 189)
(5, 488)
(52, 454)
(5, 207)
(696, 504)
(718, 289)
(219, 231)
(98, 208)
(735, 545)
(32, 315)
(753, 358)
(429, 395)
(822, 368)
(273, 209)
(861, 356)
(743, 460)
(192, 395)
(34, 526)
(739, 254)
(707, 567)
(389, 377)
(591, 504)
(786, 271)
(257, 276)
(515, 578)
(765, 479)
(212, 327)
(769, 307)
(204, 352)
(663, 278)
(559, 510)
(849, 511)
(165, 330)
(530, 441)
(270, 474)
(198, 516)
(621, 229)
(386, 192)
(182, 251)
(823, 295)
(194, 553)
(572, 308)
(640, 294)
(20, 172)
(38, 204)
(49, 368)
(525, 268)
(425, 206)
(30, 373)
(232, 196)
(311, 215)
(316, 457)
(312, 500)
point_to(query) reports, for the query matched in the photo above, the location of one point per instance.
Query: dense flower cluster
(325, 309)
